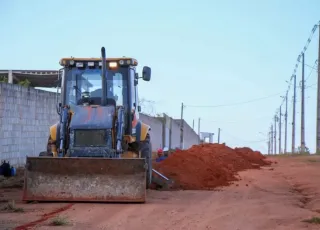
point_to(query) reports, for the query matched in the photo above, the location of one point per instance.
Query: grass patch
(313, 160)
(292, 155)
(313, 220)
(11, 207)
(59, 221)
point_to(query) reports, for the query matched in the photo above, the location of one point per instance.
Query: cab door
(135, 100)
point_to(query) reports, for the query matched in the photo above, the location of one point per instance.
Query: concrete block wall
(175, 134)
(161, 129)
(25, 117)
(27, 113)
(156, 130)
(167, 130)
(190, 137)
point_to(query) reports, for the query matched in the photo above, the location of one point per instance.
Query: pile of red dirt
(207, 166)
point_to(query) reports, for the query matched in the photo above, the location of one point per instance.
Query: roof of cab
(98, 59)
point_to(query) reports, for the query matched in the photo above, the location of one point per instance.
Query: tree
(147, 107)
(307, 150)
(3, 80)
(25, 83)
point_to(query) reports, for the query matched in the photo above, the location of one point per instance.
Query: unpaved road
(276, 197)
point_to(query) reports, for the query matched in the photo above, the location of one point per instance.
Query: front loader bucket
(85, 179)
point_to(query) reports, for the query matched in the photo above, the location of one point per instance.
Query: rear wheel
(45, 154)
(146, 152)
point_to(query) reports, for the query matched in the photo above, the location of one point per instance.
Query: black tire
(48, 152)
(146, 152)
(45, 154)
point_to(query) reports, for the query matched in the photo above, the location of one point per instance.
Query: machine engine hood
(87, 117)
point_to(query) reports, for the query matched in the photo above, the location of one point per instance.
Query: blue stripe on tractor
(138, 131)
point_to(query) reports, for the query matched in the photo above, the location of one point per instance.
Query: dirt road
(276, 197)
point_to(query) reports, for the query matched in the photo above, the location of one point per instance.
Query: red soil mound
(206, 166)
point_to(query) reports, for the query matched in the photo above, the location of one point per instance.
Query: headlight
(79, 64)
(113, 65)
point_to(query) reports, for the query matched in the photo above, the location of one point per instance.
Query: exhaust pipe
(104, 81)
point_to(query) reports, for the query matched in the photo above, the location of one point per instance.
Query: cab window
(133, 89)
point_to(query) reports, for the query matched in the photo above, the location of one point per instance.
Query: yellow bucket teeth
(85, 179)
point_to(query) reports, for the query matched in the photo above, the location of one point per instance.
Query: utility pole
(294, 115)
(280, 131)
(318, 99)
(181, 127)
(193, 124)
(219, 136)
(271, 139)
(268, 143)
(199, 129)
(286, 124)
(303, 145)
(275, 134)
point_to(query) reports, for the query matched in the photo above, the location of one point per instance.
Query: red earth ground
(280, 196)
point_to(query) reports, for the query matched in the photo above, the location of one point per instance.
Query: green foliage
(3, 80)
(59, 221)
(313, 160)
(313, 220)
(24, 83)
(306, 152)
(11, 207)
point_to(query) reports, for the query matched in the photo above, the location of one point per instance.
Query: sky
(202, 53)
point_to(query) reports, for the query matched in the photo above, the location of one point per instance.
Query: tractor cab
(99, 105)
(82, 83)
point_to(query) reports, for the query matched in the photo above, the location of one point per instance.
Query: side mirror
(136, 77)
(58, 108)
(139, 108)
(146, 73)
(57, 83)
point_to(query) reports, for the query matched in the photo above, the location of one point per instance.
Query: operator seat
(97, 101)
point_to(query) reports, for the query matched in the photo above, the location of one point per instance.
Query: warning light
(113, 64)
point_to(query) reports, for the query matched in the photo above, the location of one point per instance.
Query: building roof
(38, 78)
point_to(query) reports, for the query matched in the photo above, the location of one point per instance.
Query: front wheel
(45, 154)
(146, 152)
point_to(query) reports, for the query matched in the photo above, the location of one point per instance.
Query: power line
(240, 139)
(257, 118)
(293, 77)
(312, 69)
(309, 86)
(232, 104)
(299, 57)
(249, 142)
(318, 100)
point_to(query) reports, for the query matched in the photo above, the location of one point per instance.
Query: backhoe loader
(99, 150)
